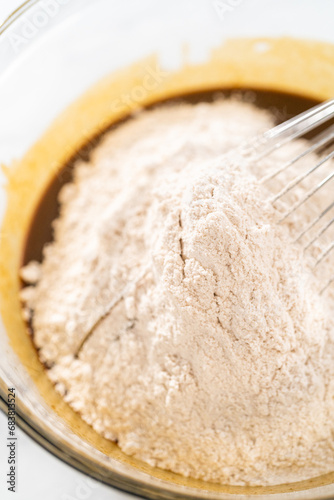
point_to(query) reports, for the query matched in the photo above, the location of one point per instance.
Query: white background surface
(39, 474)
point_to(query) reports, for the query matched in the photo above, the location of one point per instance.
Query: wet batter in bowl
(175, 315)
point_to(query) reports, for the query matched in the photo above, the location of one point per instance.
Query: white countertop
(41, 475)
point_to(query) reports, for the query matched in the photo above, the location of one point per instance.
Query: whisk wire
(319, 234)
(301, 177)
(321, 140)
(314, 222)
(307, 197)
(282, 134)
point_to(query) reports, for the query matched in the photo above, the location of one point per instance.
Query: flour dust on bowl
(165, 324)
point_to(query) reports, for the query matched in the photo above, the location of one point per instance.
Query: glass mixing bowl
(52, 52)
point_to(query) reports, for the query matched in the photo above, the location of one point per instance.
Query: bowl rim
(16, 14)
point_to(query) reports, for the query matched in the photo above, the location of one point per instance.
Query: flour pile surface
(176, 316)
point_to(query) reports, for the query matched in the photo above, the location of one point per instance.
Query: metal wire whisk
(323, 145)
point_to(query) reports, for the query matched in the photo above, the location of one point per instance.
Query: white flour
(202, 344)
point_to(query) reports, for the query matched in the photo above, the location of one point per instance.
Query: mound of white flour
(176, 316)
